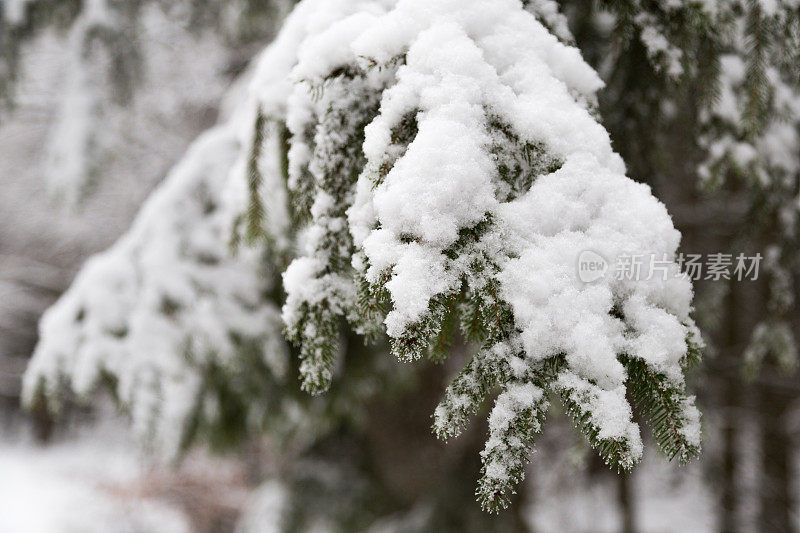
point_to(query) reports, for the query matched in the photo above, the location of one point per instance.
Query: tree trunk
(627, 504)
(731, 398)
(729, 504)
(776, 455)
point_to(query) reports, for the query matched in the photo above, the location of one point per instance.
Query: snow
(450, 76)
(428, 215)
(776, 341)
(90, 484)
(263, 513)
(608, 410)
(72, 149)
(13, 11)
(568, 495)
(167, 290)
(660, 51)
(548, 12)
(773, 152)
(456, 67)
(272, 84)
(69, 487)
(459, 63)
(91, 127)
(512, 401)
(463, 62)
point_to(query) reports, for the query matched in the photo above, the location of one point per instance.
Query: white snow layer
(79, 487)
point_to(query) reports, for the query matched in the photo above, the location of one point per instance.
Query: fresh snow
(459, 68)
(167, 294)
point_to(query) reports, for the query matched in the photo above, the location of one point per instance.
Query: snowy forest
(399, 266)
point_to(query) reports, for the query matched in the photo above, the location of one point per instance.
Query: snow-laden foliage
(445, 169)
(484, 176)
(74, 144)
(167, 314)
(751, 135)
(665, 29)
(113, 52)
(752, 125)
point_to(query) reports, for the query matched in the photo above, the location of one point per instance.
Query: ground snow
(67, 488)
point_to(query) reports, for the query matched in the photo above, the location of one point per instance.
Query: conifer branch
(667, 408)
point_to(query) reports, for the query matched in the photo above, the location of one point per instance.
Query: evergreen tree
(427, 171)
(421, 178)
